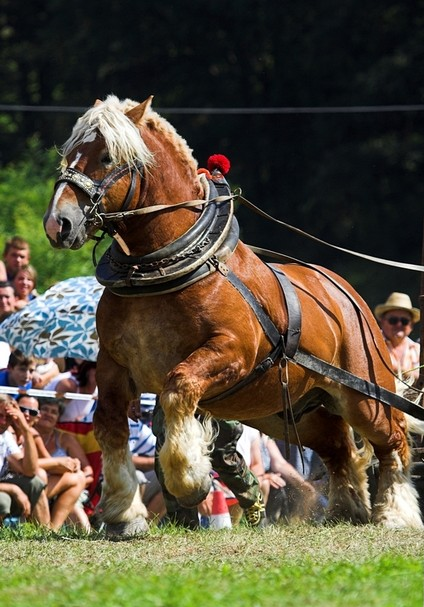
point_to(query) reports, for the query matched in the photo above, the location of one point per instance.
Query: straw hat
(397, 301)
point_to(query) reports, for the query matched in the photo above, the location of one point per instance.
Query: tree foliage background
(353, 178)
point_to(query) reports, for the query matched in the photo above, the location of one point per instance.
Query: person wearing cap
(397, 318)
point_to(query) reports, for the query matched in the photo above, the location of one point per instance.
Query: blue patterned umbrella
(60, 323)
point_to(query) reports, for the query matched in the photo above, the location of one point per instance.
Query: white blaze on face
(89, 137)
(52, 226)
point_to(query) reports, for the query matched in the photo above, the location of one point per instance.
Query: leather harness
(202, 250)
(287, 347)
(193, 256)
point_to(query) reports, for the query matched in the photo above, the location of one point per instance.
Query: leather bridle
(96, 190)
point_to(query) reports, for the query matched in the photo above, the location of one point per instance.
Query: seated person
(311, 468)
(297, 498)
(7, 299)
(287, 494)
(67, 466)
(68, 368)
(46, 370)
(16, 254)
(22, 492)
(29, 407)
(19, 371)
(83, 382)
(79, 377)
(24, 283)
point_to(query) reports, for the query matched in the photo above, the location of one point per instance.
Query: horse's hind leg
(120, 507)
(396, 503)
(331, 437)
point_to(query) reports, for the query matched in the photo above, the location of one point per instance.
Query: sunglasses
(31, 412)
(393, 320)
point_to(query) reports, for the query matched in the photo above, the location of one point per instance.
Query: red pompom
(220, 162)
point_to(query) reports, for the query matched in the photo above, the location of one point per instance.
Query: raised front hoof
(118, 532)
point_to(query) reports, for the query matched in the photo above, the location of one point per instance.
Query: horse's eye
(106, 159)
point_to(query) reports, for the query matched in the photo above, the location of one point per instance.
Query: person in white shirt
(22, 492)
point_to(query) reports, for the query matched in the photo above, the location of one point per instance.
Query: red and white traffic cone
(220, 517)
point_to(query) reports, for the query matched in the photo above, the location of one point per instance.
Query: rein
(388, 262)
(98, 217)
(119, 216)
(156, 208)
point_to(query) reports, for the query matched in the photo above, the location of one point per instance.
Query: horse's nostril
(66, 228)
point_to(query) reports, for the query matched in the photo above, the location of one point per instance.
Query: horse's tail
(414, 426)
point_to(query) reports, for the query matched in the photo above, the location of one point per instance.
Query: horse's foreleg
(120, 507)
(184, 456)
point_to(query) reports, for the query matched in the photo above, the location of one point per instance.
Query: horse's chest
(143, 335)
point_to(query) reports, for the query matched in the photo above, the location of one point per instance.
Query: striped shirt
(142, 441)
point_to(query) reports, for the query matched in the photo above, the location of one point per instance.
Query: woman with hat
(397, 318)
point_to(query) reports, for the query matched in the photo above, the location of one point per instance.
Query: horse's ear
(137, 113)
(97, 102)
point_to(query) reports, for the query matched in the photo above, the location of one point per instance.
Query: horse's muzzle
(64, 231)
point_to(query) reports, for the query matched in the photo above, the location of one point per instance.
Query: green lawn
(280, 566)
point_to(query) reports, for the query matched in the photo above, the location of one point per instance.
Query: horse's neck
(147, 233)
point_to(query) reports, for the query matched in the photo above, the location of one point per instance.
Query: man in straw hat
(397, 318)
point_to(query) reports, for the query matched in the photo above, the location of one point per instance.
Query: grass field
(298, 565)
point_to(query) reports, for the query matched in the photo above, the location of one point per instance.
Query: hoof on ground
(117, 532)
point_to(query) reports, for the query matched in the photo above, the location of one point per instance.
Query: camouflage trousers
(226, 461)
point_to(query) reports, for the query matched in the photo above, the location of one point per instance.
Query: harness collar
(191, 257)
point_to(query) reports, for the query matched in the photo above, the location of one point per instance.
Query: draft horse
(190, 313)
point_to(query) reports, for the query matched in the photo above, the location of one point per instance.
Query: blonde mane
(121, 135)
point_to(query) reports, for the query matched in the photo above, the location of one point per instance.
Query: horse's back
(338, 323)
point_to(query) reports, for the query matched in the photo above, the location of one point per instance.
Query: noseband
(97, 189)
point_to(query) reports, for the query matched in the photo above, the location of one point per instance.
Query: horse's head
(103, 165)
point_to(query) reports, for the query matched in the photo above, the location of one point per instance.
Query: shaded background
(326, 124)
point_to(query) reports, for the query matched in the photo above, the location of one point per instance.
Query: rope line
(46, 393)
(357, 109)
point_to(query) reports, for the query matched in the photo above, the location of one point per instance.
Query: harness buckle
(219, 266)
